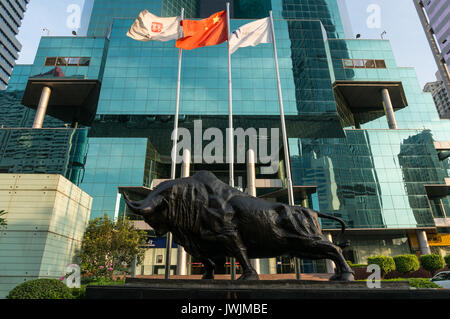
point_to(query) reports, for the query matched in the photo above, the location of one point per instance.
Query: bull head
(154, 210)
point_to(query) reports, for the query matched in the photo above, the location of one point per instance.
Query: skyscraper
(366, 144)
(11, 14)
(434, 15)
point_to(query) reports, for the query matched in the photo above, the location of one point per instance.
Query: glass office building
(366, 144)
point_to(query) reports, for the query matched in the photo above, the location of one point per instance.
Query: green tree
(110, 247)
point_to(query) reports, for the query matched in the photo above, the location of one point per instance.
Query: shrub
(420, 273)
(447, 260)
(406, 263)
(79, 293)
(416, 282)
(356, 265)
(432, 262)
(422, 283)
(386, 263)
(41, 289)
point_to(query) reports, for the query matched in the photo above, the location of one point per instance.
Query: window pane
(50, 62)
(347, 63)
(380, 64)
(85, 61)
(370, 64)
(358, 63)
(74, 61)
(61, 61)
(436, 206)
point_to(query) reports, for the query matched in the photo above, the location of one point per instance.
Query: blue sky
(397, 17)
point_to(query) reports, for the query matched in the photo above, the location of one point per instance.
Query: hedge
(41, 289)
(406, 263)
(432, 262)
(386, 263)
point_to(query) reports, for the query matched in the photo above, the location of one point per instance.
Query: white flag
(251, 34)
(149, 27)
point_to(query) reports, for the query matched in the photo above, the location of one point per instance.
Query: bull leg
(210, 267)
(324, 249)
(239, 251)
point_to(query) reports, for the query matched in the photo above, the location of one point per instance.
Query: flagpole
(173, 154)
(230, 143)
(290, 188)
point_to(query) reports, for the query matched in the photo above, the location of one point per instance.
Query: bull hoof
(345, 276)
(249, 276)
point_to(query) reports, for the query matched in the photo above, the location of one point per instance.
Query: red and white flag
(149, 27)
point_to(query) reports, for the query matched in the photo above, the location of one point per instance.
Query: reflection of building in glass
(440, 96)
(11, 14)
(421, 166)
(346, 177)
(353, 116)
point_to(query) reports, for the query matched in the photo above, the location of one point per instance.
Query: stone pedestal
(262, 289)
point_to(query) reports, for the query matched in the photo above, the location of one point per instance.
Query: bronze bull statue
(212, 220)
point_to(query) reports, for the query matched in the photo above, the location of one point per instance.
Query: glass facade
(371, 176)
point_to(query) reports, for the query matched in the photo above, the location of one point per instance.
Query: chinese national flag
(200, 33)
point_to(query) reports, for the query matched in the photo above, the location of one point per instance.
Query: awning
(365, 96)
(437, 190)
(72, 99)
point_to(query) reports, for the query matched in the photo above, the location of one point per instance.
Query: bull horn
(132, 204)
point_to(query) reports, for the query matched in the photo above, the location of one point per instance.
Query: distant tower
(11, 13)
(434, 17)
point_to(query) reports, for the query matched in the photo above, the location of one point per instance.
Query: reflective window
(50, 61)
(67, 61)
(437, 207)
(363, 64)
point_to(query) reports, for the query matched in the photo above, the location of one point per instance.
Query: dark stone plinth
(263, 289)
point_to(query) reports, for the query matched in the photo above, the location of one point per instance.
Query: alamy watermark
(216, 151)
(374, 19)
(72, 278)
(374, 279)
(73, 20)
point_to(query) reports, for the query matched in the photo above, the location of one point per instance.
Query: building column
(42, 107)
(272, 266)
(181, 255)
(389, 109)
(133, 267)
(422, 239)
(329, 263)
(251, 190)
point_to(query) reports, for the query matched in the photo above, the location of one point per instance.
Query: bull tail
(339, 243)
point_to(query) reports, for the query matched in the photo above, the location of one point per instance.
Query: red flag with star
(200, 33)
